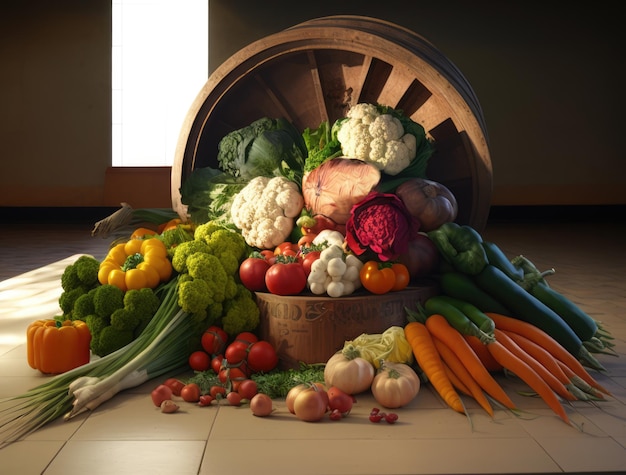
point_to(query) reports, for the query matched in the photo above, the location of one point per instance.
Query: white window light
(159, 64)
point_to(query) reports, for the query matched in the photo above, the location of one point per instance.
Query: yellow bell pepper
(55, 346)
(136, 264)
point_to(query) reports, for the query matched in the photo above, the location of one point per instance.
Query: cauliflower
(378, 138)
(265, 210)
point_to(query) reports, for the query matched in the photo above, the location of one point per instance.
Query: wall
(548, 79)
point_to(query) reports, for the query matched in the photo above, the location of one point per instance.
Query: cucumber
(455, 317)
(462, 287)
(482, 321)
(527, 307)
(497, 257)
(583, 325)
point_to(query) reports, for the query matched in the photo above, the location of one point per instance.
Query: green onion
(162, 347)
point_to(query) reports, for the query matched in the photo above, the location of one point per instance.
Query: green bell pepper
(461, 246)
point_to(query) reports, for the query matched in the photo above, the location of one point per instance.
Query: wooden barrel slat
(315, 70)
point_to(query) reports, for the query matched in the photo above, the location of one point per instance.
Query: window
(159, 65)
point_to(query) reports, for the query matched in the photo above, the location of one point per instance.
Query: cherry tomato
(247, 388)
(376, 278)
(286, 246)
(161, 393)
(217, 391)
(262, 356)
(234, 398)
(340, 401)
(308, 260)
(199, 360)
(247, 338)
(252, 273)
(286, 278)
(214, 340)
(236, 352)
(176, 385)
(269, 256)
(190, 392)
(205, 400)
(216, 363)
(402, 276)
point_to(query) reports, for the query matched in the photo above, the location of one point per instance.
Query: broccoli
(111, 339)
(184, 250)
(207, 267)
(134, 311)
(106, 299)
(229, 246)
(194, 296)
(68, 299)
(240, 313)
(83, 306)
(82, 273)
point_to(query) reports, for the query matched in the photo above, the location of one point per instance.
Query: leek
(162, 347)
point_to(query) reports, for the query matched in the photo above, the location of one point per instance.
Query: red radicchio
(381, 224)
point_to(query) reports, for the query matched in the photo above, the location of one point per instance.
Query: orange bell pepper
(55, 346)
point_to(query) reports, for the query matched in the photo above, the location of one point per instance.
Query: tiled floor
(128, 435)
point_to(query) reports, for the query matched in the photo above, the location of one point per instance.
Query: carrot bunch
(455, 361)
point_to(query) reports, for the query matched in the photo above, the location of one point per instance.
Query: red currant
(375, 417)
(335, 415)
(391, 418)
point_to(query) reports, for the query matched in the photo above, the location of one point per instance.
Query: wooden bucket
(310, 328)
(315, 70)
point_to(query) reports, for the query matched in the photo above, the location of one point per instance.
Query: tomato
(247, 388)
(308, 260)
(252, 273)
(402, 276)
(376, 278)
(285, 248)
(261, 405)
(234, 373)
(262, 357)
(339, 400)
(217, 391)
(199, 360)
(175, 385)
(234, 398)
(247, 338)
(205, 400)
(190, 392)
(214, 340)
(236, 352)
(286, 278)
(216, 363)
(160, 393)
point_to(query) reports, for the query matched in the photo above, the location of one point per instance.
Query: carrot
(440, 328)
(551, 380)
(546, 341)
(483, 353)
(429, 360)
(460, 371)
(580, 383)
(456, 382)
(540, 354)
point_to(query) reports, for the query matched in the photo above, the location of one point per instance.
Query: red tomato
(286, 246)
(199, 360)
(214, 340)
(236, 352)
(246, 337)
(247, 388)
(175, 385)
(286, 278)
(262, 356)
(377, 279)
(339, 400)
(269, 256)
(190, 392)
(216, 363)
(402, 276)
(161, 393)
(252, 273)
(308, 260)
(216, 391)
(234, 398)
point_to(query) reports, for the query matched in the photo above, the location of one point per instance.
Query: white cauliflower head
(265, 210)
(376, 138)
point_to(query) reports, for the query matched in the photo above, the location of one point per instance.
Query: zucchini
(455, 317)
(527, 307)
(462, 287)
(583, 325)
(497, 257)
(482, 321)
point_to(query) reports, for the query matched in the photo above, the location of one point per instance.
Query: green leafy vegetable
(321, 144)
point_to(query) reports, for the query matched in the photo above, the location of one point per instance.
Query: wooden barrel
(316, 70)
